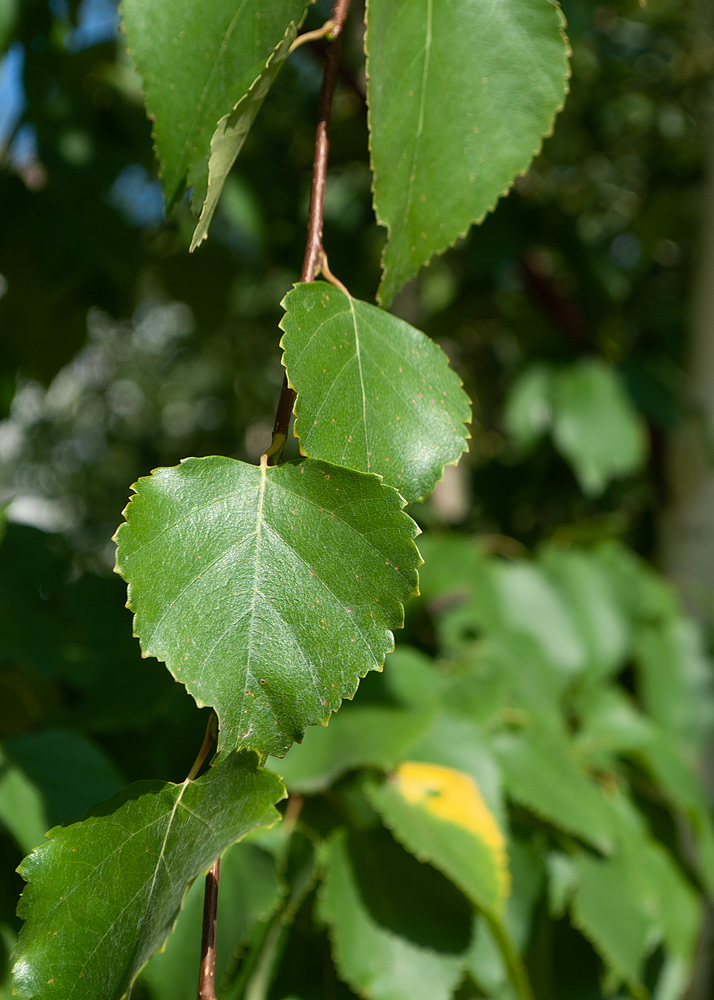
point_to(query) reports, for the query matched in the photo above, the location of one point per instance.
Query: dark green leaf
(104, 893)
(57, 775)
(355, 737)
(267, 591)
(197, 64)
(460, 96)
(398, 928)
(373, 393)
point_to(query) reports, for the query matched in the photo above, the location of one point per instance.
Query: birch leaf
(268, 592)
(373, 393)
(460, 96)
(104, 893)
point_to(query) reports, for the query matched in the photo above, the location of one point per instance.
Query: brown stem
(206, 976)
(317, 198)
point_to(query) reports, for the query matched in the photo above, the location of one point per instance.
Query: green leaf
(593, 606)
(8, 17)
(675, 679)
(531, 604)
(373, 393)
(540, 773)
(399, 930)
(104, 893)
(197, 65)
(268, 592)
(250, 890)
(528, 410)
(355, 737)
(49, 777)
(609, 911)
(232, 130)
(438, 813)
(595, 425)
(460, 96)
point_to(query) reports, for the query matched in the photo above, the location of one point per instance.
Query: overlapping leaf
(460, 96)
(399, 930)
(440, 815)
(373, 736)
(268, 592)
(373, 393)
(104, 893)
(251, 889)
(198, 62)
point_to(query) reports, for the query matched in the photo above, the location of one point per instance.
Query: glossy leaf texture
(460, 96)
(104, 893)
(268, 592)
(399, 930)
(373, 393)
(198, 62)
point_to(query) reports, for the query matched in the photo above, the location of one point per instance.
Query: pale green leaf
(373, 393)
(268, 592)
(531, 604)
(250, 890)
(675, 679)
(596, 426)
(104, 893)
(411, 677)
(439, 814)
(460, 96)
(528, 410)
(198, 61)
(356, 737)
(390, 920)
(593, 607)
(231, 132)
(609, 911)
(541, 773)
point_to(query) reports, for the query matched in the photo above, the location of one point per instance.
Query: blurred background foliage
(565, 313)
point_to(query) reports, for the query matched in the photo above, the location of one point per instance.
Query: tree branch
(206, 976)
(313, 247)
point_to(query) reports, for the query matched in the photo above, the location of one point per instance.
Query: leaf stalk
(313, 247)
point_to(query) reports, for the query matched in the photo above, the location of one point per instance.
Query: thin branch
(207, 974)
(317, 199)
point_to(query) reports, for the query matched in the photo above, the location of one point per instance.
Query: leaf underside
(268, 592)
(373, 393)
(460, 96)
(232, 130)
(198, 61)
(104, 893)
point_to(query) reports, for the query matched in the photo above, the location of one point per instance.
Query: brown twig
(313, 247)
(206, 976)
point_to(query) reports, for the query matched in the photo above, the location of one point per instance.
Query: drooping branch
(313, 246)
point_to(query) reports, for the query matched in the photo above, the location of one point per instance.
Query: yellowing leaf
(439, 814)
(455, 798)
